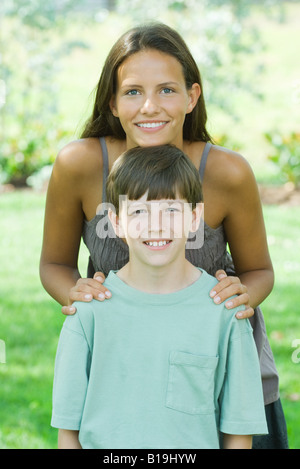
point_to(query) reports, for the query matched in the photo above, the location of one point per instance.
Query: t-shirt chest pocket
(191, 380)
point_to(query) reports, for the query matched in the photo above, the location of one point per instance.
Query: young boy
(159, 365)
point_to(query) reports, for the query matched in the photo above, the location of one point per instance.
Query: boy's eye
(175, 208)
(138, 211)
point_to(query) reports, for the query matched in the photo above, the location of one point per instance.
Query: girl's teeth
(151, 125)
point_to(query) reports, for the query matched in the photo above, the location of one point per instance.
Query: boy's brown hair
(164, 171)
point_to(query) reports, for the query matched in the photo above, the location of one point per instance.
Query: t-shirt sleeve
(71, 375)
(241, 402)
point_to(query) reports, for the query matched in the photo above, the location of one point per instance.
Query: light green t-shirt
(157, 371)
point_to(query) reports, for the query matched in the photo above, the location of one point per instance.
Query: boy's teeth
(156, 243)
(150, 125)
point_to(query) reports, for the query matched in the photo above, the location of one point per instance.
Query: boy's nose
(157, 223)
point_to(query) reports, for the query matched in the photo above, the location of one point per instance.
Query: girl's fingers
(242, 299)
(224, 282)
(85, 290)
(220, 274)
(227, 288)
(99, 276)
(245, 314)
(68, 310)
(228, 291)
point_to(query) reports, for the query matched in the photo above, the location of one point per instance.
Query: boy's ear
(116, 223)
(197, 214)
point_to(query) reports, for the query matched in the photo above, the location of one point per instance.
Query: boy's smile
(156, 231)
(158, 244)
(157, 225)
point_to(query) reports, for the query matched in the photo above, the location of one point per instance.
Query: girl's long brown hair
(151, 36)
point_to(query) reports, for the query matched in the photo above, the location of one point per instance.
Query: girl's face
(152, 100)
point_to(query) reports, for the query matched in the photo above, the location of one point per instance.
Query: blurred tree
(34, 38)
(220, 34)
(30, 52)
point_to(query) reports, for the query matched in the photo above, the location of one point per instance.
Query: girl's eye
(167, 91)
(132, 93)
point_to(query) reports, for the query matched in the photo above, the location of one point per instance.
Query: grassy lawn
(281, 308)
(30, 321)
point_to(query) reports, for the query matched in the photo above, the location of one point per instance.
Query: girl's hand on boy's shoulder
(85, 290)
(227, 287)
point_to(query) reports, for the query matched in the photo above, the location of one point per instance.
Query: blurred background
(51, 55)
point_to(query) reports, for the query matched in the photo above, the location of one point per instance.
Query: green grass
(281, 308)
(30, 320)
(29, 324)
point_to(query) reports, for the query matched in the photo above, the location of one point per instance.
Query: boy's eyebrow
(159, 201)
(149, 202)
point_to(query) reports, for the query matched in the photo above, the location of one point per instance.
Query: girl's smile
(152, 100)
(152, 126)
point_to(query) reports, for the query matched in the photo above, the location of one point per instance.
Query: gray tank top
(108, 252)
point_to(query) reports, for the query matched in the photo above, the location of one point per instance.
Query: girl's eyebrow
(129, 85)
(159, 85)
(168, 83)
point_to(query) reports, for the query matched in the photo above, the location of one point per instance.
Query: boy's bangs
(161, 172)
(160, 187)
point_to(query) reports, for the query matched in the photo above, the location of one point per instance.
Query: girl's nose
(149, 106)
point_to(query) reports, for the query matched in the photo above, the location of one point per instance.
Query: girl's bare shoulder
(84, 156)
(228, 168)
(80, 157)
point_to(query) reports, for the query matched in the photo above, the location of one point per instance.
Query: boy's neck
(159, 280)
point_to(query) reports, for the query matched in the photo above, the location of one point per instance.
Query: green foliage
(220, 37)
(224, 140)
(32, 48)
(37, 37)
(38, 14)
(24, 153)
(286, 155)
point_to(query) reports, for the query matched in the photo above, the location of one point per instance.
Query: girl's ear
(197, 214)
(194, 94)
(113, 107)
(116, 223)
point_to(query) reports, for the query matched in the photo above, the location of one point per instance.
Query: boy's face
(156, 231)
